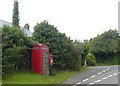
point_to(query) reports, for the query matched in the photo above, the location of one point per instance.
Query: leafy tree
(79, 47)
(91, 60)
(15, 17)
(59, 44)
(105, 46)
(16, 47)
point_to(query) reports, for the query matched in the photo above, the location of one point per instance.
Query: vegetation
(31, 78)
(91, 60)
(15, 19)
(16, 47)
(105, 47)
(68, 54)
(62, 47)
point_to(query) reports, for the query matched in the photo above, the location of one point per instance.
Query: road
(97, 76)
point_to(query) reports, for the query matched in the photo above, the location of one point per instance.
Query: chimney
(26, 26)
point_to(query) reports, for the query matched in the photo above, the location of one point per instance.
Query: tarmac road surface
(97, 76)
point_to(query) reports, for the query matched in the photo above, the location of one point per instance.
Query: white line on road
(78, 83)
(110, 75)
(98, 81)
(115, 73)
(92, 76)
(104, 78)
(91, 83)
(104, 70)
(99, 73)
(85, 80)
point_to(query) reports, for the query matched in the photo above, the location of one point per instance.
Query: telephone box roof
(41, 45)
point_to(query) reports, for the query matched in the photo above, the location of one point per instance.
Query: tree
(105, 46)
(91, 60)
(16, 49)
(15, 18)
(59, 44)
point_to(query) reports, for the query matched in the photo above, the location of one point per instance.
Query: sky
(79, 19)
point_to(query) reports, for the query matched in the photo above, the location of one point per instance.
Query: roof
(40, 45)
(2, 23)
(28, 32)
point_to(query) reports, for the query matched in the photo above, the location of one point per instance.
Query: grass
(101, 64)
(83, 69)
(32, 78)
(105, 64)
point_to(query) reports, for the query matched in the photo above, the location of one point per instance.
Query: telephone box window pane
(44, 48)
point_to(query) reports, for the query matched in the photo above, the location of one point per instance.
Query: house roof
(2, 23)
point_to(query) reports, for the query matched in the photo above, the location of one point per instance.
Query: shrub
(16, 48)
(91, 60)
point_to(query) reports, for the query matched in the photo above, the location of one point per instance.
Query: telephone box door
(45, 63)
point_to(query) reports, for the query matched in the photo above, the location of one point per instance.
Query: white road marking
(115, 73)
(78, 83)
(92, 76)
(104, 78)
(107, 69)
(99, 73)
(85, 80)
(98, 81)
(104, 70)
(110, 75)
(91, 83)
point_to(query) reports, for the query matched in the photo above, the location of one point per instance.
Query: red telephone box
(40, 59)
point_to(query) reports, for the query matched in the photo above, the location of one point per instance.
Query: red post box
(51, 59)
(40, 59)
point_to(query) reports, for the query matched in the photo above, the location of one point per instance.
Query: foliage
(60, 45)
(16, 47)
(78, 50)
(106, 42)
(91, 60)
(15, 19)
(83, 49)
(105, 46)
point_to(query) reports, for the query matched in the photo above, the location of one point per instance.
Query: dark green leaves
(15, 19)
(60, 45)
(16, 48)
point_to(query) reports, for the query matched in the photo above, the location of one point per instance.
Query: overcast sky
(79, 19)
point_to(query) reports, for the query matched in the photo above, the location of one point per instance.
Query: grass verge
(83, 69)
(31, 78)
(28, 77)
(105, 64)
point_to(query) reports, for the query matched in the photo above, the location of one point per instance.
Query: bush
(62, 47)
(91, 60)
(52, 70)
(16, 49)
